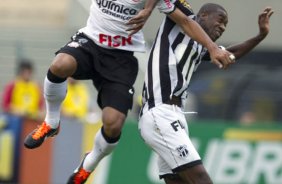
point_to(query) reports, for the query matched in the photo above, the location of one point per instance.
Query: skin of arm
(194, 30)
(140, 19)
(241, 49)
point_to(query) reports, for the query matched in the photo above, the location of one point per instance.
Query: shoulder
(182, 5)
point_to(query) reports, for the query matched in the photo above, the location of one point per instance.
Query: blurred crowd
(23, 96)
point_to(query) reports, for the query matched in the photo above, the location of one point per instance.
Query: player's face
(26, 74)
(215, 24)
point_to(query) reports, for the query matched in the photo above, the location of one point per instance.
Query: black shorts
(112, 71)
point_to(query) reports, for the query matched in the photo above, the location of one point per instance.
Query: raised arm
(241, 49)
(195, 31)
(140, 19)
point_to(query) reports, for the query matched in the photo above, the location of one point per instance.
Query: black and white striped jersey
(173, 59)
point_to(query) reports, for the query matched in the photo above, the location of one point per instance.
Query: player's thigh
(193, 175)
(196, 175)
(166, 173)
(75, 59)
(63, 65)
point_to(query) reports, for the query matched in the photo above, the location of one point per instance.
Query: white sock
(101, 149)
(54, 94)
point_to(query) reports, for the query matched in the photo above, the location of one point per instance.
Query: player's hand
(221, 58)
(138, 21)
(263, 21)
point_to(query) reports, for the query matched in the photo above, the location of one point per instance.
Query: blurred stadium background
(237, 130)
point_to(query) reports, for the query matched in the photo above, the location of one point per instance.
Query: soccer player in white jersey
(173, 59)
(103, 52)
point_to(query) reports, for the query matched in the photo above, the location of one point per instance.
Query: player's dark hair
(210, 7)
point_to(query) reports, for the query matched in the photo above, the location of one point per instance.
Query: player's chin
(215, 37)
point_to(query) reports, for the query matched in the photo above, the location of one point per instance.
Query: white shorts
(165, 130)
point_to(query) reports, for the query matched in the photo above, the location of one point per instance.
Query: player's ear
(203, 15)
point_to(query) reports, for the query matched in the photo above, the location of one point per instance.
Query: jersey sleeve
(166, 6)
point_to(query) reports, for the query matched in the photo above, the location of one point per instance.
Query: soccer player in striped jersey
(173, 59)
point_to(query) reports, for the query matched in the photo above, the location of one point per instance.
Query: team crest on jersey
(78, 43)
(74, 44)
(82, 40)
(183, 151)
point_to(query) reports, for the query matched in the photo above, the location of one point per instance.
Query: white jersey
(106, 24)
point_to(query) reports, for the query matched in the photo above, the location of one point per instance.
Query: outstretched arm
(140, 19)
(241, 49)
(219, 57)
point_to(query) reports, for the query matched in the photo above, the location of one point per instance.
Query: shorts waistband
(175, 100)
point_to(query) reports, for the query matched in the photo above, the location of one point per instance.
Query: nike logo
(131, 91)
